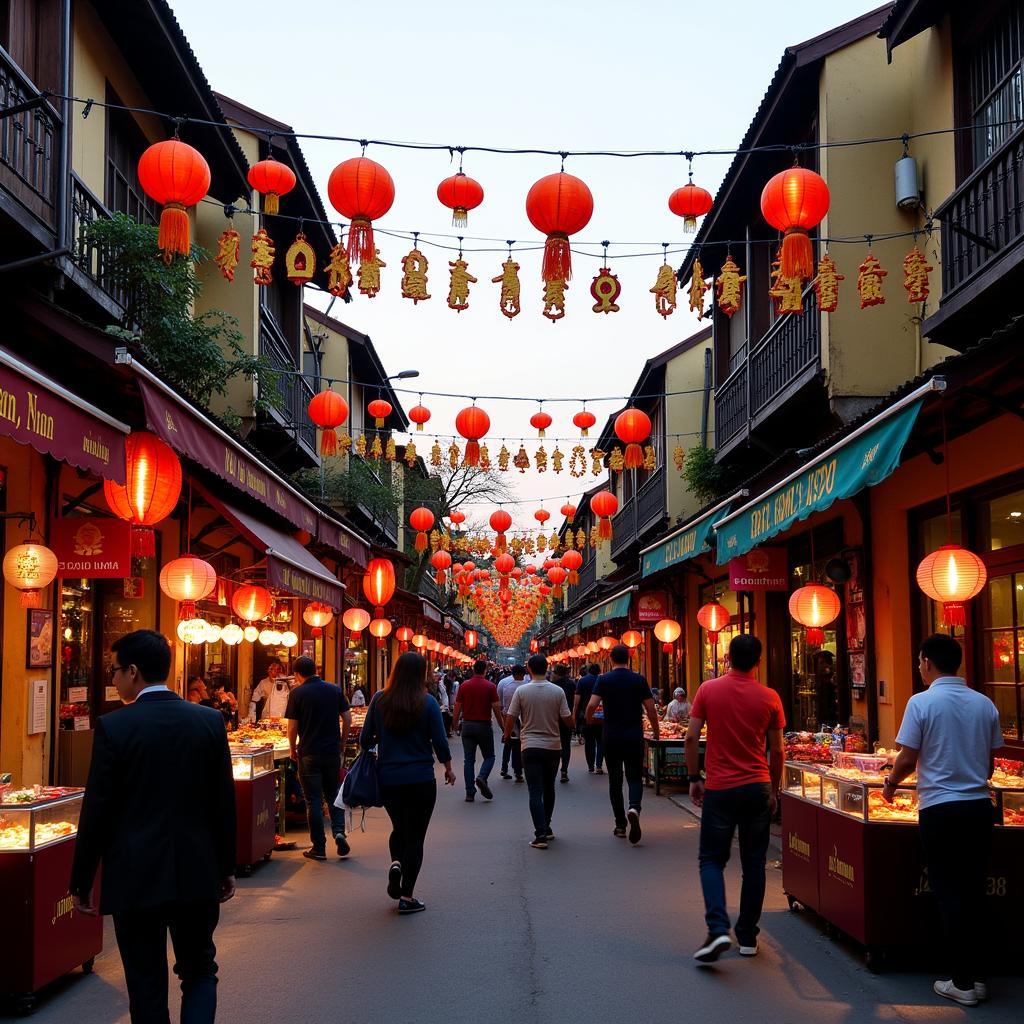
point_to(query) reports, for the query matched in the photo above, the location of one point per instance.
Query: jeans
(624, 757)
(477, 734)
(593, 745)
(318, 774)
(142, 941)
(409, 807)
(511, 751)
(748, 808)
(957, 838)
(540, 768)
(565, 735)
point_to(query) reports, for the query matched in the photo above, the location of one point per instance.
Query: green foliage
(346, 485)
(201, 354)
(703, 476)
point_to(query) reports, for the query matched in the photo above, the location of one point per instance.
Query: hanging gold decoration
(528, 546)
(516, 544)
(361, 446)
(390, 450)
(542, 543)
(650, 457)
(787, 294)
(485, 458)
(729, 287)
(414, 276)
(578, 461)
(869, 282)
(541, 458)
(446, 541)
(410, 454)
(344, 442)
(826, 285)
(556, 460)
(616, 461)
(262, 257)
(664, 290)
(369, 275)
(605, 289)
(435, 539)
(597, 457)
(509, 281)
(522, 460)
(698, 286)
(679, 457)
(915, 275)
(503, 458)
(300, 261)
(228, 253)
(555, 542)
(453, 455)
(595, 537)
(376, 449)
(554, 298)
(581, 539)
(339, 275)
(461, 279)
(435, 455)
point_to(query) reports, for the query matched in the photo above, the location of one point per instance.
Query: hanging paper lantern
(380, 628)
(540, 421)
(379, 410)
(30, 567)
(713, 617)
(328, 410)
(633, 427)
(175, 176)
(379, 584)
(419, 641)
(952, 575)
(419, 414)
(500, 522)
(441, 561)
(558, 206)
(690, 202)
(606, 643)
(604, 505)
(569, 511)
(188, 579)
(470, 639)
(252, 603)
(421, 519)
(250, 634)
(794, 201)
(192, 631)
(542, 515)
(232, 634)
(151, 489)
(632, 638)
(460, 193)
(403, 635)
(572, 560)
(355, 621)
(472, 423)
(457, 518)
(317, 616)
(557, 577)
(668, 632)
(362, 191)
(814, 607)
(584, 420)
(272, 179)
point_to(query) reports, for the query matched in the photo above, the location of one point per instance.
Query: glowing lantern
(606, 643)
(192, 631)
(558, 206)
(592, 647)
(540, 421)
(952, 575)
(690, 202)
(29, 568)
(379, 410)
(668, 632)
(421, 520)
(151, 489)
(251, 634)
(362, 191)
(441, 561)
(542, 515)
(433, 646)
(633, 427)
(419, 414)
(232, 634)
(713, 617)
(632, 638)
(252, 603)
(188, 579)
(380, 628)
(403, 635)
(355, 621)
(289, 639)
(460, 193)
(328, 410)
(317, 616)
(572, 560)
(605, 505)
(584, 420)
(794, 201)
(175, 176)
(814, 607)
(419, 641)
(472, 423)
(379, 584)
(272, 179)
(470, 639)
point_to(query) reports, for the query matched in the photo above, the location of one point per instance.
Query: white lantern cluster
(198, 631)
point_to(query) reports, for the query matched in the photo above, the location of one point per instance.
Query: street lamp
(404, 375)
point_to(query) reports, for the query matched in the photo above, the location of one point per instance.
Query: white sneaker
(963, 996)
(980, 991)
(714, 946)
(748, 950)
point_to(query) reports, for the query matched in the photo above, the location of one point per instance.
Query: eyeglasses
(114, 668)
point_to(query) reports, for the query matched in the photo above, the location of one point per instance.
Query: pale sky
(552, 75)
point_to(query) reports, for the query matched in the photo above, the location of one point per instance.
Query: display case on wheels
(255, 804)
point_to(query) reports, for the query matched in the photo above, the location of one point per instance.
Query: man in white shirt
(541, 707)
(510, 747)
(678, 709)
(948, 736)
(273, 690)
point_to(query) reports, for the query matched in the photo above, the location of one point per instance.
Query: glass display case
(804, 781)
(250, 762)
(1013, 809)
(33, 818)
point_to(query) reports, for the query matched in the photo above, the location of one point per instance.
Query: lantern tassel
(584, 432)
(499, 544)
(421, 542)
(634, 456)
(574, 577)
(30, 599)
(360, 241)
(797, 259)
(460, 217)
(378, 422)
(329, 441)
(143, 542)
(472, 457)
(556, 592)
(604, 528)
(954, 613)
(689, 224)
(557, 258)
(174, 232)
(272, 203)
(419, 426)
(186, 610)
(815, 636)
(439, 577)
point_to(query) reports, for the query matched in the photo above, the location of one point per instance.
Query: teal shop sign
(683, 545)
(617, 608)
(864, 461)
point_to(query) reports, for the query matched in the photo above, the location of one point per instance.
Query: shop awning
(686, 542)
(431, 611)
(862, 459)
(557, 635)
(37, 411)
(454, 626)
(614, 608)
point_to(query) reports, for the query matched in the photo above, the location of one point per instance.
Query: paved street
(589, 930)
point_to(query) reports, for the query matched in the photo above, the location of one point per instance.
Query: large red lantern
(317, 615)
(573, 561)
(421, 520)
(441, 561)
(584, 420)
(540, 421)
(952, 575)
(379, 410)
(362, 191)
(252, 602)
(403, 635)
(419, 414)
(380, 628)
(668, 632)
(176, 176)
(569, 511)
(633, 427)
(328, 410)
(632, 639)
(272, 179)
(558, 206)
(419, 641)
(187, 580)
(470, 639)
(605, 505)
(557, 577)
(690, 202)
(460, 193)
(794, 201)
(379, 584)
(457, 518)
(500, 522)
(713, 618)
(472, 423)
(355, 621)
(151, 489)
(542, 515)
(814, 607)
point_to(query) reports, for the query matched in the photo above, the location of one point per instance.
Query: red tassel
(472, 457)
(30, 599)
(557, 258)
(954, 613)
(329, 442)
(556, 593)
(143, 542)
(439, 577)
(186, 610)
(815, 637)
(499, 544)
(604, 528)
(317, 631)
(667, 648)
(174, 233)
(421, 542)
(797, 259)
(360, 241)
(634, 456)
(574, 577)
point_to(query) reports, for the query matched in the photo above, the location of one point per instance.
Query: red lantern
(814, 607)
(558, 206)
(606, 643)
(188, 579)
(690, 202)
(316, 616)
(557, 577)
(362, 191)
(540, 421)
(421, 519)
(584, 420)
(176, 176)
(500, 522)
(403, 635)
(272, 179)
(472, 423)
(573, 561)
(380, 628)
(794, 201)
(252, 603)
(713, 617)
(569, 511)
(379, 584)
(355, 621)
(952, 575)
(460, 193)
(604, 505)
(379, 410)
(668, 632)
(458, 518)
(542, 515)
(151, 489)
(633, 427)
(441, 561)
(419, 414)
(470, 639)
(632, 639)
(328, 410)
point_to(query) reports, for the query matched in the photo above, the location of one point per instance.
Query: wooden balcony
(295, 392)
(88, 258)
(639, 514)
(588, 580)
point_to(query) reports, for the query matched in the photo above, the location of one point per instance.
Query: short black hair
(943, 652)
(518, 671)
(561, 671)
(620, 654)
(304, 667)
(479, 667)
(148, 651)
(538, 664)
(594, 669)
(744, 651)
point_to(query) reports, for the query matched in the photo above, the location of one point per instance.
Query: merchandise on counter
(249, 761)
(670, 731)
(267, 732)
(1008, 774)
(33, 818)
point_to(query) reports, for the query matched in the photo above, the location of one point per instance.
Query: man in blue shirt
(948, 735)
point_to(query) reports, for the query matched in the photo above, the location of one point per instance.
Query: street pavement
(591, 930)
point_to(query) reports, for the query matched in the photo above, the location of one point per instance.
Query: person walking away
(625, 697)
(678, 708)
(568, 687)
(948, 736)
(404, 723)
(741, 790)
(542, 710)
(476, 701)
(510, 748)
(593, 735)
(159, 814)
(318, 723)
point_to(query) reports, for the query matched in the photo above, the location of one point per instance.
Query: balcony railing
(89, 256)
(386, 521)
(731, 406)
(588, 578)
(624, 527)
(640, 513)
(295, 391)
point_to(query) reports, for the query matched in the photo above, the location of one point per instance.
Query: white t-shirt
(276, 696)
(540, 706)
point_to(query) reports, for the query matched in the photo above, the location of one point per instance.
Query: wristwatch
(694, 778)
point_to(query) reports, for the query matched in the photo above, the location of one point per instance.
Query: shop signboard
(684, 544)
(764, 568)
(652, 606)
(92, 547)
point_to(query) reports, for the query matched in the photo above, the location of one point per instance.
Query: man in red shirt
(477, 699)
(741, 790)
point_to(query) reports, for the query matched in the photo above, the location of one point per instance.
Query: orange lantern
(713, 617)
(540, 421)
(557, 577)
(606, 643)
(441, 561)
(584, 420)
(472, 423)
(328, 410)
(355, 621)
(380, 628)
(690, 202)
(668, 632)
(419, 641)
(952, 575)
(379, 410)
(252, 602)
(569, 511)
(460, 193)
(176, 176)
(379, 584)
(272, 179)
(573, 561)
(558, 206)
(470, 639)
(814, 607)
(421, 519)
(419, 414)
(632, 638)
(542, 515)
(794, 201)
(30, 567)
(317, 615)
(403, 635)
(605, 505)
(362, 191)
(188, 579)
(151, 489)
(633, 427)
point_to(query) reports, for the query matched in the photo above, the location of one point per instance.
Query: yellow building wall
(683, 417)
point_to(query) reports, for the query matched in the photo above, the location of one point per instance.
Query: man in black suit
(159, 813)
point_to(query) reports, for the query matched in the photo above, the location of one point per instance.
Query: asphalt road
(590, 930)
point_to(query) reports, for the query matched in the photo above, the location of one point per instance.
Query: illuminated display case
(252, 765)
(1012, 805)
(30, 820)
(251, 762)
(803, 781)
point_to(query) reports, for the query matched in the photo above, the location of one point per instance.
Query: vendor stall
(255, 803)
(665, 758)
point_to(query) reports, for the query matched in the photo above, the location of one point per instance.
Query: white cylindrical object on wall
(908, 191)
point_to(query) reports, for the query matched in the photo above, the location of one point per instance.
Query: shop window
(76, 650)
(1001, 522)
(715, 660)
(1002, 639)
(127, 604)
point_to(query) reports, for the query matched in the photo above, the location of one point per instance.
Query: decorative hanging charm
(578, 461)
(504, 455)
(679, 457)
(414, 281)
(410, 454)
(729, 287)
(558, 206)
(300, 261)
(581, 539)
(453, 455)
(785, 292)
(509, 281)
(376, 449)
(605, 289)
(435, 455)
(557, 459)
(360, 446)
(461, 279)
(228, 251)
(698, 286)
(485, 458)
(826, 284)
(664, 290)
(369, 275)
(597, 458)
(339, 274)
(390, 450)
(262, 257)
(869, 282)
(522, 460)
(617, 461)
(541, 457)
(915, 275)
(554, 298)
(650, 457)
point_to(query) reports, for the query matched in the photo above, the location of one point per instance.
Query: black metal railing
(650, 500)
(588, 577)
(88, 255)
(731, 406)
(624, 527)
(791, 346)
(295, 391)
(386, 521)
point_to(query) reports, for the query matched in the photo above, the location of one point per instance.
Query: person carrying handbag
(404, 723)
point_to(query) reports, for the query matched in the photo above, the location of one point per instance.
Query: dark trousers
(409, 807)
(142, 940)
(624, 757)
(541, 768)
(477, 735)
(957, 840)
(319, 775)
(565, 735)
(510, 751)
(593, 745)
(746, 808)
